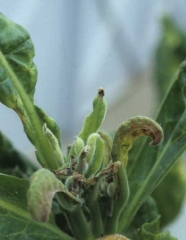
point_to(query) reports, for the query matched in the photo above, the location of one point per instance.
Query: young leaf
(107, 149)
(94, 119)
(97, 157)
(151, 165)
(15, 221)
(43, 186)
(51, 123)
(130, 130)
(54, 143)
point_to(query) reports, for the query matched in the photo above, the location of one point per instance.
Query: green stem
(111, 225)
(96, 220)
(79, 225)
(42, 145)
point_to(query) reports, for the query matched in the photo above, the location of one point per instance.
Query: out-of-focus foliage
(171, 51)
(170, 194)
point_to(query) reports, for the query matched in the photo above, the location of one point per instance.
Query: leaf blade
(15, 221)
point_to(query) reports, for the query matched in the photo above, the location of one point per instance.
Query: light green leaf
(51, 123)
(94, 119)
(152, 164)
(97, 156)
(107, 149)
(15, 221)
(54, 143)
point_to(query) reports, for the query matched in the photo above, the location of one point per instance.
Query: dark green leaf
(15, 221)
(17, 47)
(12, 162)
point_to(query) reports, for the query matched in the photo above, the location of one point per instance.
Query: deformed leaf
(15, 221)
(43, 186)
(131, 129)
(94, 119)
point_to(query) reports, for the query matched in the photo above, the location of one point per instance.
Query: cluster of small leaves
(89, 187)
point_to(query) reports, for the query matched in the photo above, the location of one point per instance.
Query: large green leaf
(18, 75)
(152, 164)
(17, 47)
(15, 221)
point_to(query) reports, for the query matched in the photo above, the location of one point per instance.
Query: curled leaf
(43, 186)
(94, 119)
(131, 129)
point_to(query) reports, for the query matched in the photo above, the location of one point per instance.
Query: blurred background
(83, 45)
